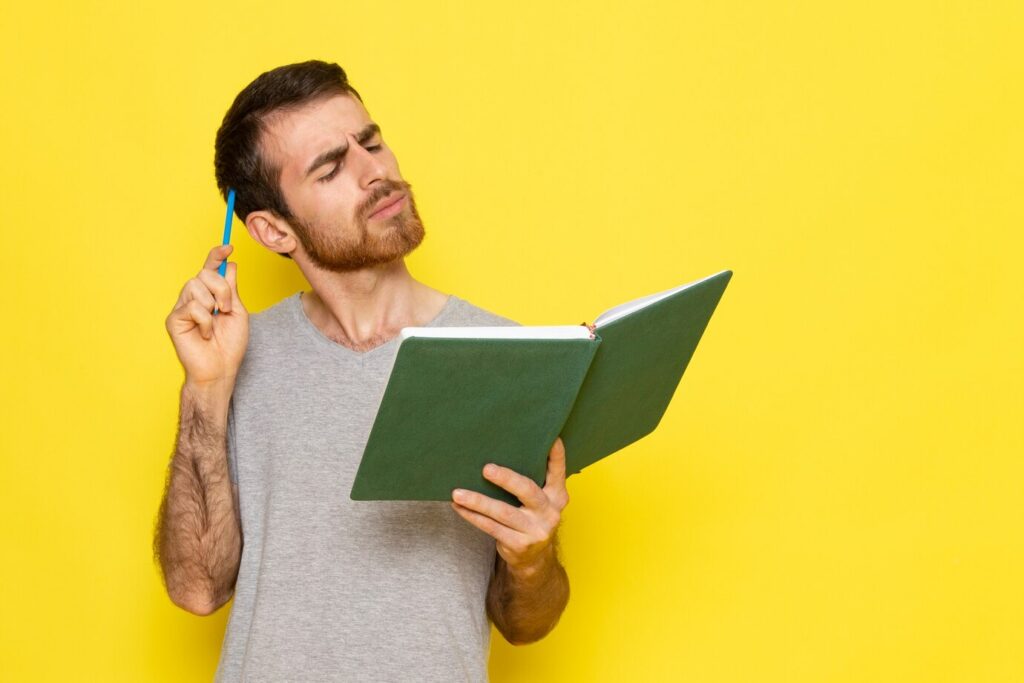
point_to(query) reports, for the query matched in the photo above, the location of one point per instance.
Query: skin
(361, 295)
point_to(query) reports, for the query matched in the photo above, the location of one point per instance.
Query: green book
(461, 397)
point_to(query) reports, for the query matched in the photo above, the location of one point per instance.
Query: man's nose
(369, 166)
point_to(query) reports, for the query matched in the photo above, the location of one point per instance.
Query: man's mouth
(388, 207)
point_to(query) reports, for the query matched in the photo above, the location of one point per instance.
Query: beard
(362, 245)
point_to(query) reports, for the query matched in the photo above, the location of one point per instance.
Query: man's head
(310, 169)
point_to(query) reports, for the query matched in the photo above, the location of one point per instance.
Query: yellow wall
(835, 493)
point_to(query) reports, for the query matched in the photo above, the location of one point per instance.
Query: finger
(194, 290)
(216, 255)
(523, 488)
(497, 510)
(498, 532)
(218, 286)
(201, 317)
(556, 466)
(198, 291)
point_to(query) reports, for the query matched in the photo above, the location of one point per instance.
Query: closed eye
(326, 178)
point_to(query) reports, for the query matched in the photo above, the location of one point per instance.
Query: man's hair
(238, 161)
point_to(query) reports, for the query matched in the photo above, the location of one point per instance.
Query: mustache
(382, 190)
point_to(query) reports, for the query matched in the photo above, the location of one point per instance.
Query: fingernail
(490, 470)
(459, 494)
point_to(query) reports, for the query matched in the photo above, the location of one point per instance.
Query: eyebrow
(338, 153)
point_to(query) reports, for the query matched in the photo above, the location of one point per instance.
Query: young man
(276, 410)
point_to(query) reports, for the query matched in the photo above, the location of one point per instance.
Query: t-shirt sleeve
(232, 465)
(495, 320)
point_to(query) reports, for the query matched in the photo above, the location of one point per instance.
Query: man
(276, 410)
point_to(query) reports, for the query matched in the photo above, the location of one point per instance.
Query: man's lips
(388, 206)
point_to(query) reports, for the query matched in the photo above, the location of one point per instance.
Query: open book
(461, 397)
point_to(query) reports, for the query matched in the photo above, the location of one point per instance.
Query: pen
(227, 228)
(223, 269)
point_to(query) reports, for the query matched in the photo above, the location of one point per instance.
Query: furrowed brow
(338, 153)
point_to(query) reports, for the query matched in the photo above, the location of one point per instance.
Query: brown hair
(237, 160)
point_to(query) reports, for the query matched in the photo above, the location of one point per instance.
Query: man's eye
(371, 148)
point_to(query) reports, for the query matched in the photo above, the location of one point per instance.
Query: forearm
(198, 541)
(526, 603)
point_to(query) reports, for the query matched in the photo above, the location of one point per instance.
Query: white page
(636, 304)
(519, 332)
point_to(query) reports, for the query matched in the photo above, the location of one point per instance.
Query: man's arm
(526, 604)
(198, 540)
(529, 589)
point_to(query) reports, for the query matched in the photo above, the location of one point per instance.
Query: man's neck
(365, 308)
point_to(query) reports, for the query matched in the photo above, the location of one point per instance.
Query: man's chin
(384, 255)
(402, 238)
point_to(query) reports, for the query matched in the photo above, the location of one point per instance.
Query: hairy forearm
(526, 603)
(198, 539)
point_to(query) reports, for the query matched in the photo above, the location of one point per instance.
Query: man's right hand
(210, 347)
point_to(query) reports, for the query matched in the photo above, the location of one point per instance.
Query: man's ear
(271, 231)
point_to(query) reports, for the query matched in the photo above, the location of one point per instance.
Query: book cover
(454, 404)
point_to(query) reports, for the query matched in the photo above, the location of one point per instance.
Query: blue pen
(223, 269)
(227, 228)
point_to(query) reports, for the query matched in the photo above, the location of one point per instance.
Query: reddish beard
(360, 245)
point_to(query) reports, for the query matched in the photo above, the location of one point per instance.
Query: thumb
(231, 275)
(556, 465)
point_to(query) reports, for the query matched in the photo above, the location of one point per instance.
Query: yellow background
(835, 493)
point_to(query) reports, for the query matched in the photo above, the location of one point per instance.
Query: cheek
(342, 204)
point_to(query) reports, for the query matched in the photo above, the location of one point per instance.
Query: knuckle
(198, 311)
(197, 288)
(519, 517)
(206, 279)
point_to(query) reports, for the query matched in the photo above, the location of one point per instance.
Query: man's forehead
(293, 138)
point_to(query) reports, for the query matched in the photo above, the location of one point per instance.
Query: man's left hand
(523, 534)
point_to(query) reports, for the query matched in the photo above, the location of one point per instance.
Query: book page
(625, 309)
(517, 332)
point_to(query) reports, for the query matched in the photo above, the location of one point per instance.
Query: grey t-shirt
(331, 589)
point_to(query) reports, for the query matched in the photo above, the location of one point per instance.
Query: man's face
(341, 180)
